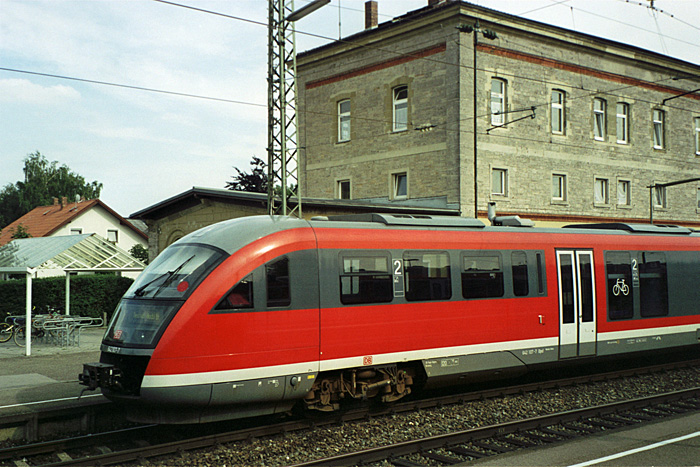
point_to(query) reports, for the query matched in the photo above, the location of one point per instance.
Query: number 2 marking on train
(398, 269)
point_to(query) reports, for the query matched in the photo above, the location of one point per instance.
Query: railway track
(468, 445)
(151, 441)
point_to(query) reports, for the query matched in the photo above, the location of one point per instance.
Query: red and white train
(254, 315)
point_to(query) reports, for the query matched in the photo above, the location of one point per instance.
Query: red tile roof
(44, 220)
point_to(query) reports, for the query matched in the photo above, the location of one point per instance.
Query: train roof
(506, 224)
(233, 234)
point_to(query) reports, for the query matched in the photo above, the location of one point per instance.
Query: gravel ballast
(327, 441)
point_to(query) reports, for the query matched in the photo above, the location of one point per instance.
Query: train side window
(482, 275)
(540, 274)
(365, 279)
(521, 287)
(427, 276)
(239, 297)
(618, 268)
(653, 284)
(277, 277)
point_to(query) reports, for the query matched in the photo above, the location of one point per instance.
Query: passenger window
(620, 297)
(482, 276)
(427, 276)
(240, 297)
(653, 285)
(540, 274)
(277, 276)
(518, 260)
(365, 279)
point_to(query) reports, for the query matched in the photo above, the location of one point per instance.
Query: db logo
(367, 360)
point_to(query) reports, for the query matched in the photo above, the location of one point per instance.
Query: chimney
(64, 201)
(55, 201)
(371, 14)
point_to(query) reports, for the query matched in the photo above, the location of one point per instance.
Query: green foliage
(90, 295)
(43, 181)
(254, 182)
(139, 252)
(20, 232)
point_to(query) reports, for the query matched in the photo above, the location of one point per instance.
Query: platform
(673, 441)
(49, 373)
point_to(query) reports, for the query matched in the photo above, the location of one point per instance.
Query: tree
(43, 181)
(139, 252)
(255, 182)
(20, 232)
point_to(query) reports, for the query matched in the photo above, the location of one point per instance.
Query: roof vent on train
(411, 220)
(635, 228)
(507, 221)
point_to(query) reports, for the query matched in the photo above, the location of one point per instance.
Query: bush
(90, 295)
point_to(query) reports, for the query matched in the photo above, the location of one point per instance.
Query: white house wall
(99, 221)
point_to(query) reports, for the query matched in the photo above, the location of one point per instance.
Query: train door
(577, 307)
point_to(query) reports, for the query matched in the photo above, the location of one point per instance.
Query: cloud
(26, 92)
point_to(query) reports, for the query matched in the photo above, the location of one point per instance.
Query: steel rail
(454, 439)
(199, 442)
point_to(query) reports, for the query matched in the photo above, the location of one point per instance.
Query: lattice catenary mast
(283, 196)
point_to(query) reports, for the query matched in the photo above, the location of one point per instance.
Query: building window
(498, 102)
(399, 185)
(499, 182)
(343, 189)
(659, 196)
(344, 120)
(623, 111)
(113, 236)
(658, 117)
(558, 112)
(400, 112)
(623, 193)
(558, 187)
(601, 191)
(599, 106)
(76, 231)
(698, 198)
(697, 136)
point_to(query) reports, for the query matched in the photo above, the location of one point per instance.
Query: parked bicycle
(17, 329)
(6, 331)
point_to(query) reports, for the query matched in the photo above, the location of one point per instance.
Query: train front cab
(241, 342)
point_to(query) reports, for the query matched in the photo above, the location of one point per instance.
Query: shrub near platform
(90, 295)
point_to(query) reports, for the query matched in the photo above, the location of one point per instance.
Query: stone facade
(521, 162)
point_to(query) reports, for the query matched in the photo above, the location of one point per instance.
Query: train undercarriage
(387, 384)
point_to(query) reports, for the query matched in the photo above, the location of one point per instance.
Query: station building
(458, 106)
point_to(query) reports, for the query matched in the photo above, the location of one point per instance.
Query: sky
(147, 146)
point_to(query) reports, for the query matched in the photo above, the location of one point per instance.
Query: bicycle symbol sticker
(620, 287)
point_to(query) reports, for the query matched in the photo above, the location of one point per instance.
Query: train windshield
(139, 323)
(157, 294)
(176, 272)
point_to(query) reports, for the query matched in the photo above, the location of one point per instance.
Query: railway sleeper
(464, 452)
(441, 458)
(388, 384)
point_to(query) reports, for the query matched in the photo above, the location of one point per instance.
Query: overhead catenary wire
(241, 102)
